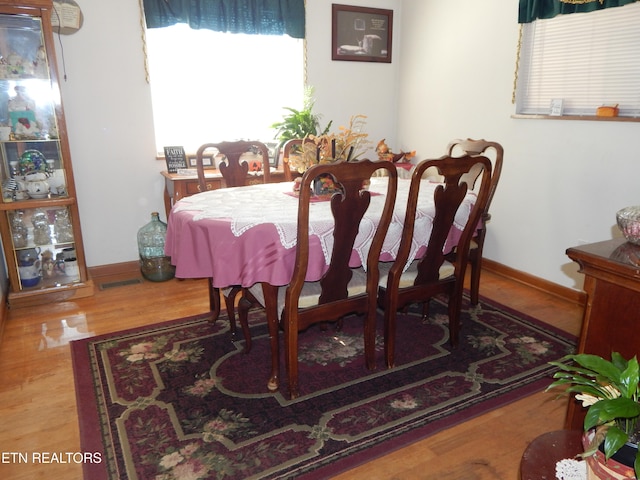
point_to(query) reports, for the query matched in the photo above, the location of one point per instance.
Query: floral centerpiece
(610, 391)
(347, 144)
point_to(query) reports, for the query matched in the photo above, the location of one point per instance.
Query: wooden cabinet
(612, 284)
(180, 186)
(39, 220)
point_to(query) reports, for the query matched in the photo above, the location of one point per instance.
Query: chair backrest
(348, 207)
(234, 172)
(491, 150)
(448, 198)
(286, 153)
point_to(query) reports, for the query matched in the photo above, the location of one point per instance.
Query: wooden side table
(177, 186)
(610, 323)
(540, 458)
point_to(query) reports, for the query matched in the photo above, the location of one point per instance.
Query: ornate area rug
(179, 400)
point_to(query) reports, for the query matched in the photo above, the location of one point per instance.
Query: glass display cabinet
(39, 221)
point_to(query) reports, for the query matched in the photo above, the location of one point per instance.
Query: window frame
(533, 100)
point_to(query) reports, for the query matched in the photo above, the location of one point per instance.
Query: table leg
(540, 458)
(214, 300)
(167, 198)
(270, 293)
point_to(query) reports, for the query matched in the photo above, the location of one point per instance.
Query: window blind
(585, 59)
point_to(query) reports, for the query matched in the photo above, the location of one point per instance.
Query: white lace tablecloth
(244, 235)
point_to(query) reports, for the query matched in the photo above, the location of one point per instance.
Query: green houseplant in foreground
(610, 391)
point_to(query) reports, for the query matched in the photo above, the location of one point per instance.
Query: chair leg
(244, 305)
(475, 260)
(370, 338)
(390, 336)
(389, 307)
(425, 310)
(230, 305)
(291, 356)
(214, 301)
(270, 294)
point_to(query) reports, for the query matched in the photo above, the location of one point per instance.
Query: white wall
(343, 89)
(451, 76)
(562, 181)
(107, 105)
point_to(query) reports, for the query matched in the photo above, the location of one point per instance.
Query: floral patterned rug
(179, 400)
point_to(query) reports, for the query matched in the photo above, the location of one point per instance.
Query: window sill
(576, 117)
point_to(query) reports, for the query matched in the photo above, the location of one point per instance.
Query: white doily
(569, 469)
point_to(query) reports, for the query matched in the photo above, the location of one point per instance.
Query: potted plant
(299, 123)
(610, 391)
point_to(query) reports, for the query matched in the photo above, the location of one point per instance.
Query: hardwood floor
(38, 400)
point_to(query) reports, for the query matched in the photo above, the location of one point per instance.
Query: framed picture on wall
(361, 34)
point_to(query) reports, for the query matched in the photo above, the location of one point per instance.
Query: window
(585, 59)
(209, 86)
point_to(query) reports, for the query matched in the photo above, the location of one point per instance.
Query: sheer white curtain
(209, 86)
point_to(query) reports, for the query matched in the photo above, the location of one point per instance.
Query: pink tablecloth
(244, 235)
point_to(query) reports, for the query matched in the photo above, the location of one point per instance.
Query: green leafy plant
(300, 123)
(611, 392)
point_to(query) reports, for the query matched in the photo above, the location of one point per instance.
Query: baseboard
(124, 268)
(569, 294)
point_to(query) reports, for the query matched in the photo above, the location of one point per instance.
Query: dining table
(246, 235)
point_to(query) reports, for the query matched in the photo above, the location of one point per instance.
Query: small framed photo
(207, 161)
(556, 107)
(361, 34)
(24, 124)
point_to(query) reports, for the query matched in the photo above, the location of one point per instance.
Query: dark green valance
(530, 10)
(263, 17)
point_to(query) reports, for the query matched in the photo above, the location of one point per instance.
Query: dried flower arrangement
(347, 144)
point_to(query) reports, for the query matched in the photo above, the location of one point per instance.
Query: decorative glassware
(628, 220)
(32, 161)
(154, 265)
(41, 230)
(18, 229)
(62, 226)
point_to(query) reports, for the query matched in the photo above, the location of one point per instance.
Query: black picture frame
(361, 34)
(207, 161)
(175, 157)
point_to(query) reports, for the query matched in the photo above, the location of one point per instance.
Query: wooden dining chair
(432, 274)
(342, 290)
(495, 153)
(235, 172)
(236, 164)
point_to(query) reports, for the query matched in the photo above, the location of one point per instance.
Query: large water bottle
(154, 265)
